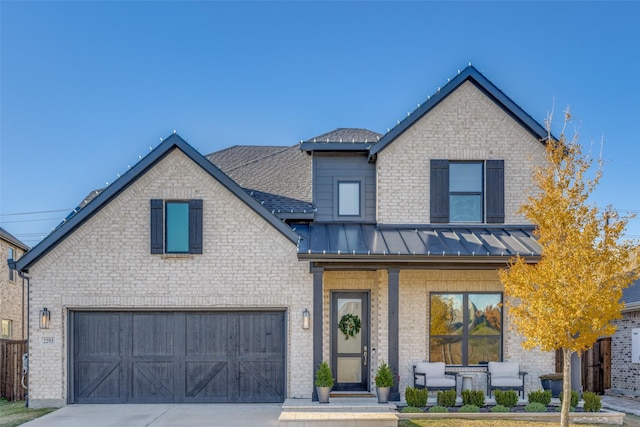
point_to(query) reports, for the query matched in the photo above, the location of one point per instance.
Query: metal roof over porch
(346, 241)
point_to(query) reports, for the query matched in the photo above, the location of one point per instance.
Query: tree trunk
(566, 387)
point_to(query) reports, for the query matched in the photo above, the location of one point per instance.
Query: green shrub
(324, 378)
(469, 408)
(416, 397)
(438, 409)
(411, 410)
(592, 402)
(473, 397)
(540, 396)
(575, 397)
(508, 398)
(500, 408)
(384, 376)
(535, 407)
(447, 398)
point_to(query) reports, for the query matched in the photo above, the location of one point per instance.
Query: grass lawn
(629, 421)
(14, 413)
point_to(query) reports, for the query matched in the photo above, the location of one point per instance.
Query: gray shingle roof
(278, 177)
(631, 294)
(347, 135)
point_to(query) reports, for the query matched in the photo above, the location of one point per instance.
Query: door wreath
(349, 325)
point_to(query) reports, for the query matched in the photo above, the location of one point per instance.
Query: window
(465, 328)
(10, 256)
(7, 328)
(348, 198)
(467, 191)
(176, 226)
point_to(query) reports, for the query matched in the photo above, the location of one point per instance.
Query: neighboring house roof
(342, 139)
(631, 296)
(105, 196)
(343, 242)
(482, 83)
(8, 237)
(278, 177)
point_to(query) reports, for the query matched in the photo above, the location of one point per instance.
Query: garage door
(167, 357)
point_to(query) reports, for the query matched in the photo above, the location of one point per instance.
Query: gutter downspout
(27, 278)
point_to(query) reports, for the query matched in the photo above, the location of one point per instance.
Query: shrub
(535, 407)
(592, 402)
(411, 410)
(469, 408)
(500, 408)
(324, 378)
(558, 376)
(508, 398)
(575, 397)
(447, 398)
(540, 396)
(473, 397)
(416, 397)
(438, 409)
(384, 376)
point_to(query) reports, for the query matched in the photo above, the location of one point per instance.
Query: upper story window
(465, 328)
(11, 256)
(467, 191)
(348, 198)
(176, 226)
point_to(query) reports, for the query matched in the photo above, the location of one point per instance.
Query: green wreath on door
(349, 325)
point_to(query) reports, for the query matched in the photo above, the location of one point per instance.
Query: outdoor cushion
(434, 375)
(504, 369)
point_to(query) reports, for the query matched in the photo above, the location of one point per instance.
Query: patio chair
(505, 376)
(433, 376)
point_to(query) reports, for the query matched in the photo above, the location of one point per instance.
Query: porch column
(317, 325)
(394, 349)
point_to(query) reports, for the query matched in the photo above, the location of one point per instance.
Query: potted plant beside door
(384, 382)
(324, 382)
(552, 382)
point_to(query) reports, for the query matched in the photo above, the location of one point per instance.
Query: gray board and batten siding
(328, 170)
(177, 357)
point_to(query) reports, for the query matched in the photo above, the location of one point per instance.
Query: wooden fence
(11, 352)
(595, 366)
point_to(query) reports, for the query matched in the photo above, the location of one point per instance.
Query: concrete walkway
(162, 415)
(621, 404)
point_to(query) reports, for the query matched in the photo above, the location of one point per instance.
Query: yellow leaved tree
(570, 297)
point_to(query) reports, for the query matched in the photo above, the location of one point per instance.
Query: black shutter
(495, 191)
(157, 226)
(439, 191)
(195, 226)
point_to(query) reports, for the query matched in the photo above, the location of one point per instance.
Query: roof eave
(174, 141)
(469, 73)
(406, 258)
(336, 146)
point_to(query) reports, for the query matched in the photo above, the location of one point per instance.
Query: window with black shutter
(176, 226)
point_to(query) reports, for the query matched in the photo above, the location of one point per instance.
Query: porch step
(339, 404)
(338, 419)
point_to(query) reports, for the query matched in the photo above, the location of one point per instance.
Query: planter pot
(554, 385)
(323, 394)
(383, 394)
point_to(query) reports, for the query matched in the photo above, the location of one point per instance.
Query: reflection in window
(465, 192)
(465, 329)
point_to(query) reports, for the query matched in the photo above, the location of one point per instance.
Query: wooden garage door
(166, 357)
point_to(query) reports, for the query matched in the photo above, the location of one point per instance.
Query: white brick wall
(464, 126)
(106, 263)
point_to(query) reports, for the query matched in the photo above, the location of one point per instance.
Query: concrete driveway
(162, 415)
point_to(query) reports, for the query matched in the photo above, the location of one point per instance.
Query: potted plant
(384, 382)
(552, 382)
(324, 382)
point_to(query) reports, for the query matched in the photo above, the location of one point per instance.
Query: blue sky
(87, 87)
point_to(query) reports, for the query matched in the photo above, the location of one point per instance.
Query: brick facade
(625, 376)
(466, 125)
(13, 301)
(106, 263)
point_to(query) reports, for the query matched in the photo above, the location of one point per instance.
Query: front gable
(170, 186)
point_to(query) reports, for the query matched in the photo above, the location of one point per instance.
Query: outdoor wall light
(45, 318)
(305, 319)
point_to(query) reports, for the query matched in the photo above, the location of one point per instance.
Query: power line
(31, 220)
(37, 212)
